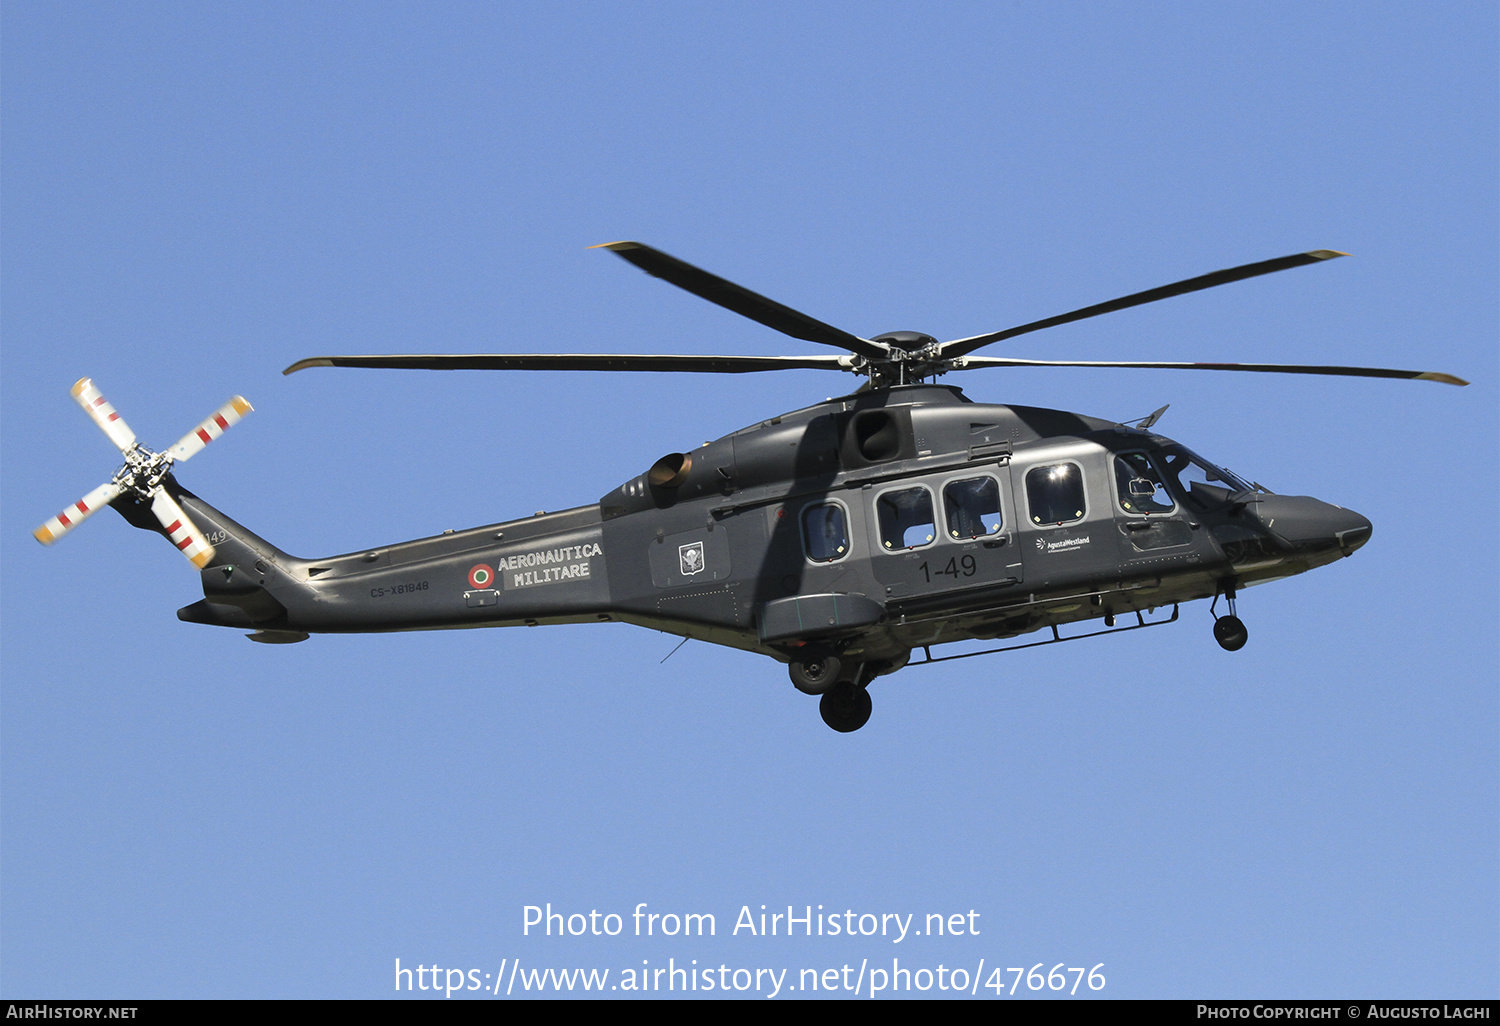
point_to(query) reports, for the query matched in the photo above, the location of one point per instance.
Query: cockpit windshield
(1202, 482)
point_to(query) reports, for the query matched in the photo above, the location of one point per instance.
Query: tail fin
(242, 584)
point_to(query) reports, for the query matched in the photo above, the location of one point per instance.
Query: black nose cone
(1355, 534)
(1306, 523)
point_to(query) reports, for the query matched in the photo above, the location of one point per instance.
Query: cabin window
(1055, 494)
(972, 507)
(1140, 486)
(905, 518)
(825, 532)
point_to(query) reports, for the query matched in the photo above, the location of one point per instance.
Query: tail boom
(545, 569)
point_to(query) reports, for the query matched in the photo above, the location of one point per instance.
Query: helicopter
(838, 539)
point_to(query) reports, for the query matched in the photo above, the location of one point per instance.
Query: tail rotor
(102, 412)
(144, 473)
(77, 513)
(214, 425)
(180, 530)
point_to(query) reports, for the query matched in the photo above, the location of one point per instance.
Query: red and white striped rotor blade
(181, 531)
(214, 425)
(77, 513)
(85, 394)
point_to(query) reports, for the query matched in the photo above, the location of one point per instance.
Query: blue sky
(197, 195)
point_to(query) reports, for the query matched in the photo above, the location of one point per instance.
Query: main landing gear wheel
(845, 707)
(816, 674)
(1230, 632)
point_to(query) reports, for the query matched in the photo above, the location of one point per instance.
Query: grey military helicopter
(838, 539)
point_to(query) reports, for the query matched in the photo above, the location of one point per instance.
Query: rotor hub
(912, 356)
(143, 471)
(907, 341)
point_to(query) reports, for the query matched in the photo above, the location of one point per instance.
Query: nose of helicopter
(1356, 533)
(1308, 523)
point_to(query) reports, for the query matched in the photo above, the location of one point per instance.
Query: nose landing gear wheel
(845, 707)
(1231, 633)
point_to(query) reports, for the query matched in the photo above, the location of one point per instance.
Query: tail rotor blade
(218, 422)
(85, 394)
(181, 531)
(77, 513)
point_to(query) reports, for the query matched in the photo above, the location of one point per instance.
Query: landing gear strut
(845, 707)
(1229, 631)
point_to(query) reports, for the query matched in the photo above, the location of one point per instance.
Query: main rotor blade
(102, 413)
(181, 531)
(963, 346)
(77, 513)
(581, 362)
(974, 362)
(214, 425)
(740, 299)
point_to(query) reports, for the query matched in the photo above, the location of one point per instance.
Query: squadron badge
(690, 557)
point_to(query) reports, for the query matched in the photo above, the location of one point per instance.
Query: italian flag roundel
(481, 576)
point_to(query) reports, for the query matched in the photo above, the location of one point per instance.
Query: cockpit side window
(1055, 494)
(972, 507)
(905, 518)
(1186, 469)
(825, 532)
(1140, 487)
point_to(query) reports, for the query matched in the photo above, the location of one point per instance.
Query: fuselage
(873, 523)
